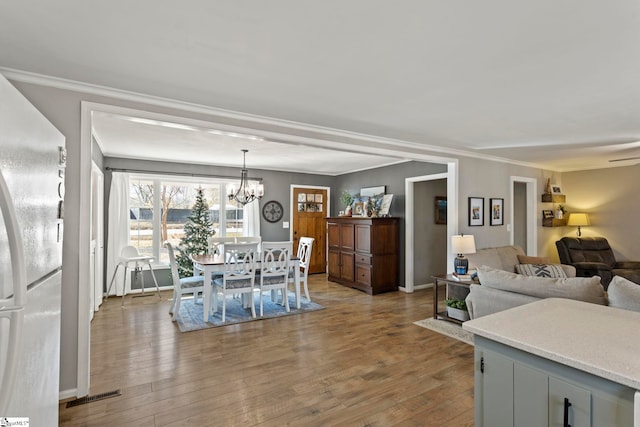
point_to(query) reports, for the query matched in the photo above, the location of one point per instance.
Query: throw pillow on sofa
(540, 270)
(588, 289)
(526, 259)
(624, 294)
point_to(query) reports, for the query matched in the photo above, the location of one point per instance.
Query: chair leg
(286, 299)
(261, 303)
(115, 271)
(306, 288)
(153, 276)
(124, 284)
(253, 306)
(173, 303)
(176, 308)
(224, 307)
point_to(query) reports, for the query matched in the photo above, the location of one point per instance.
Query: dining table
(210, 264)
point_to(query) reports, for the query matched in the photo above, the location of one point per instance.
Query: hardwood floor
(359, 362)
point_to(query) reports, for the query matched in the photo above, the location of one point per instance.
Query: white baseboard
(67, 394)
(416, 287)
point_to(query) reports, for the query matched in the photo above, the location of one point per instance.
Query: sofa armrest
(483, 301)
(628, 265)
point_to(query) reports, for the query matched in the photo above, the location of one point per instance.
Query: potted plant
(347, 199)
(457, 309)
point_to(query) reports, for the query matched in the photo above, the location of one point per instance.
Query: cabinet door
(496, 390)
(334, 263)
(347, 266)
(579, 399)
(333, 234)
(347, 237)
(530, 391)
(363, 238)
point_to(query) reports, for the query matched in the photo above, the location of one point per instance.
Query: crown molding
(372, 143)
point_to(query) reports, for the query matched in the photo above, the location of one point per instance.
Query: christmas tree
(197, 230)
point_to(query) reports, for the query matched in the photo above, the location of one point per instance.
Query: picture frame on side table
(359, 209)
(547, 214)
(496, 211)
(476, 211)
(385, 205)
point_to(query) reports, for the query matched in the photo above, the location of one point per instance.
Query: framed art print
(496, 211)
(476, 211)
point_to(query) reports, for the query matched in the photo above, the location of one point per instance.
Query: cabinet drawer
(363, 275)
(363, 259)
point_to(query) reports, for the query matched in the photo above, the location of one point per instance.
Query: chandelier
(246, 193)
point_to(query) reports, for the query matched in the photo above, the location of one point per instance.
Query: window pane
(141, 215)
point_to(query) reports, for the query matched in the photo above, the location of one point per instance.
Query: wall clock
(272, 211)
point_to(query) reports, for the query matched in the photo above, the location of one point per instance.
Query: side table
(460, 287)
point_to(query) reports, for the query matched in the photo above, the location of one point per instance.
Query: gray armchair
(592, 256)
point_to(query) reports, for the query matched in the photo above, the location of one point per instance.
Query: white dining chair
(215, 245)
(130, 258)
(274, 270)
(305, 246)
(181, 286)
(238, 275)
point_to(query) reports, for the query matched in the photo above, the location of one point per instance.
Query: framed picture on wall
(496, 211)
(476, 211)
(441, 210)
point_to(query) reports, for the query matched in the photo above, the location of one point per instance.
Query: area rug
(190, 316)
(449, 329)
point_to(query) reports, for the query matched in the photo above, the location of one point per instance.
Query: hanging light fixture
(246, 193)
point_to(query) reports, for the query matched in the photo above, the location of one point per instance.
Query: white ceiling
(552, 83)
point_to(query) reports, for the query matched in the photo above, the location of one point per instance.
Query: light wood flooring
(359, 362)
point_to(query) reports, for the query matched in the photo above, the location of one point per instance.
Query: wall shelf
(553, 222)
(553, 198)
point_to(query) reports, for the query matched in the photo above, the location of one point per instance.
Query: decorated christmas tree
(197, 230)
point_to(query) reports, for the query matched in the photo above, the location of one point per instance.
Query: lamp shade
(463, 244)
(578, 219)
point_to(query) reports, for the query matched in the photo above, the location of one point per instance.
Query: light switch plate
(285, 224)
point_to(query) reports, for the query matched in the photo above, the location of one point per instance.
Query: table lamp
(579, 220)
(462, 245)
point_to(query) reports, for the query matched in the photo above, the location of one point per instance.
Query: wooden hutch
(363, 253)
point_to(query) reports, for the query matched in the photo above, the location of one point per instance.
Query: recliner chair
(592, 256)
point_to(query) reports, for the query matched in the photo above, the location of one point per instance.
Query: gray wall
(393, 177)
(430, 240)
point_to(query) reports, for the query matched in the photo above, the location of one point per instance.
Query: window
(160, 207)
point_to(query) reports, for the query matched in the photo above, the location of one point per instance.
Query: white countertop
(600, 340)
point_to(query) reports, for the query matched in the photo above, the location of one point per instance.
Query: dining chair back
(181, 286)
(274, 270)
(305, 246)
(238, 274)
(215, 245)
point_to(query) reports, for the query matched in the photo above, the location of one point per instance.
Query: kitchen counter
(599, 340)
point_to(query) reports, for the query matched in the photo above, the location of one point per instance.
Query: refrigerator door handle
(16, 250)
(8, 371)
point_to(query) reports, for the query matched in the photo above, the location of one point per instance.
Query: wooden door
(309, 213)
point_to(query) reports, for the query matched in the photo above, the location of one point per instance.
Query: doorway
(524, 232)
(310, 207)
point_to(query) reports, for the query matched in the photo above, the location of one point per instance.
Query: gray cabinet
(515, 388)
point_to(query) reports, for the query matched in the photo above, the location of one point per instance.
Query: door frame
(452, 219)
(532, 229)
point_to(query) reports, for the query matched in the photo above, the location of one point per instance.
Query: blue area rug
(190, 316)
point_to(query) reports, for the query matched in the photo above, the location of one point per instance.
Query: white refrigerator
(32, 170)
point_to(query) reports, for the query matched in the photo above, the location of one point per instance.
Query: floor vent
(89, 399)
